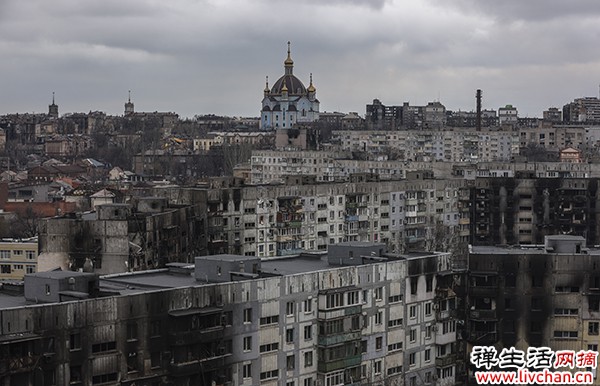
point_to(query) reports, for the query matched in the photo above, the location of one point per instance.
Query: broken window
(429, 283)
(413, 285)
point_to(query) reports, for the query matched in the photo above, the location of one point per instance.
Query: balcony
(340, 364)
(483, 314)
(445, 361)
(446, 314)
(351, 218)
(190, 337)
(289, 224)
(339, 312)
(331, 340)
(286, 238)
(483, 337)
(19, 364)
(351, 232)
(196, 366)
(414, 239)
(485, 292)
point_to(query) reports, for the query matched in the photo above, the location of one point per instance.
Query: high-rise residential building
(553, 114)
(585, 109)
(381, 117)
(508, 115)
(459, 145)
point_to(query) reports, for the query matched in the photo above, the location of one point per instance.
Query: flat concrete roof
(565, 237)
(182, 275)
(360, 244)
(525, 250)
(60, 274)
(293, 265)
(226, 257)
(12, 301)
(143, 281)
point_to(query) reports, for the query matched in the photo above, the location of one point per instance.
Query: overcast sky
(212, 56)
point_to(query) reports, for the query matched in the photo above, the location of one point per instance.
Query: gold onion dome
(289, 61)
(311, 87)
(288, 82)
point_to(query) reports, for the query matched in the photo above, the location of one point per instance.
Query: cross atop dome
(289, 63)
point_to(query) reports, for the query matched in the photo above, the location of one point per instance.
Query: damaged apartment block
(143, 234)
(371, 317)
(538, 295)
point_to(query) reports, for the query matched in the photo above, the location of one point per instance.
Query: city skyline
(212, 57)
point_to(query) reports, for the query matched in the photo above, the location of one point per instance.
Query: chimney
(478, 123)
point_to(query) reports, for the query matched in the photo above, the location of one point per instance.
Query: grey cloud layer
(197, 57)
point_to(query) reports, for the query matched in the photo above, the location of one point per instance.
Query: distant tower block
(478, 95)
(129, 105)
(53, 108)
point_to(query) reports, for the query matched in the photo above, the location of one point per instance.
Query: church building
(288, 103)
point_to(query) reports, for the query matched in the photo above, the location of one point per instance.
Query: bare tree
(234, 155)
(25, 224)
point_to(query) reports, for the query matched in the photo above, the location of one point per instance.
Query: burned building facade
(278, 220)
(509, 211)
(296, 320)
(146, 233)
(540, 296)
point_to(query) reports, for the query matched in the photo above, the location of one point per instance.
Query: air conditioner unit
(436, 306)
(434, 327)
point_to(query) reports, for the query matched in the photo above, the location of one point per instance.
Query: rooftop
(293, 265)
(178, 275)
(226, 257)
(142, 281)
